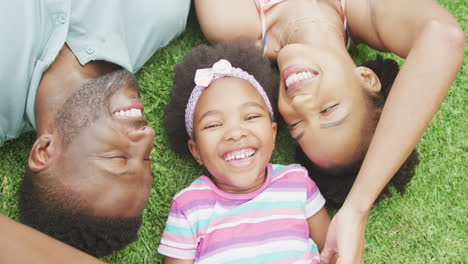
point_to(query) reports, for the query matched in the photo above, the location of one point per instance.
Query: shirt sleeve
(178, 240)
(315, 200)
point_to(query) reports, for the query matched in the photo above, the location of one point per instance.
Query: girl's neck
(232, 190)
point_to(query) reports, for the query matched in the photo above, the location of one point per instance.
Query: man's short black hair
(58, 213)
(240, 53)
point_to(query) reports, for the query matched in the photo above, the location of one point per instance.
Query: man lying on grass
(66, 71)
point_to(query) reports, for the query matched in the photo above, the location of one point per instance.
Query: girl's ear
(192, 145)
(42, 153)
(370, 79)
(274, 127)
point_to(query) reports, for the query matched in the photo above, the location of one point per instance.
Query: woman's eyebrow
(334, 123)
(298, 137)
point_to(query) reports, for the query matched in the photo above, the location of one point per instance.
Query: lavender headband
(204, 77)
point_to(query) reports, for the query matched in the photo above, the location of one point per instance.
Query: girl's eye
(252, 117)
(327, 110)
(212, 126)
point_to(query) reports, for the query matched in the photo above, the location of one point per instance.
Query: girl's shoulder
(280, 171)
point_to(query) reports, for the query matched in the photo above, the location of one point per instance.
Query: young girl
(247, 210)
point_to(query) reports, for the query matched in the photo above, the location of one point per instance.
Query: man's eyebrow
(334, 123)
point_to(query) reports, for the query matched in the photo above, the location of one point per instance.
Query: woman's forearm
(21, 244)
(423, 81)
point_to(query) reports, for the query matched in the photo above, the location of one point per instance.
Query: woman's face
(321, 98)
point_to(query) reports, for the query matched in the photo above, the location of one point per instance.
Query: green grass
(429, 224)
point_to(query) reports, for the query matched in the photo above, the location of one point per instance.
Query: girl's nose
(235, 131)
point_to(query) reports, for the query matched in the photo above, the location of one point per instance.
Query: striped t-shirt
(268, 225)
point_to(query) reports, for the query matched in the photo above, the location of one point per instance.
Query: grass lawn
(428, 224)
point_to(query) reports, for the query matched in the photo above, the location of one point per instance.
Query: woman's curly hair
(240, 53)
(335, 183)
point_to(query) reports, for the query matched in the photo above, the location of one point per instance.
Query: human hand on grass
(345, 237)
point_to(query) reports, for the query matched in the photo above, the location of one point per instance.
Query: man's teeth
(239, 154)
(297, 77)
(129, 113)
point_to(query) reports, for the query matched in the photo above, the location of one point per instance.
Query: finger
(327, 254)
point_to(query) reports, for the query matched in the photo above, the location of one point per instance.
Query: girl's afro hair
(240, 53)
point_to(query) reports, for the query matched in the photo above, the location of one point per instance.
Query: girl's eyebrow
(244, 105)
(209, 113)
(252, 104)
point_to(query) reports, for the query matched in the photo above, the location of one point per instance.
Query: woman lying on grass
(334, 108)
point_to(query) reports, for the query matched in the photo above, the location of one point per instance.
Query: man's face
(105, 161)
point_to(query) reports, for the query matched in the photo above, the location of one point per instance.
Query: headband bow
(204, 77)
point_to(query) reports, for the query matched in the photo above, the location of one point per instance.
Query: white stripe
(176, 245)
(315, 205)
(174, 253)
(286, 196)
(254, 220)
(199, 215)
(177, 222)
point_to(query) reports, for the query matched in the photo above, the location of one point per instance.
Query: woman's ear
(370, 79)
(42, 153)
(192, 145)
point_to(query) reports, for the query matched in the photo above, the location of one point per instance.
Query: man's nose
(142, 134)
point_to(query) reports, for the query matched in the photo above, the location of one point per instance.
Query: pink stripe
(177, 238)
(261, 228)
(187, 197)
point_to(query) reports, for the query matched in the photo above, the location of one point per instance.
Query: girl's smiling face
(233, 135)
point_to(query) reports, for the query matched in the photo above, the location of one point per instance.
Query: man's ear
(192, 145)
(370, 79)
(42, 153)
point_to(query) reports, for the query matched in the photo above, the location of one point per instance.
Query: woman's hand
(345, 237)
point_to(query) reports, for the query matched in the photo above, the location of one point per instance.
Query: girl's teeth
(239, 155)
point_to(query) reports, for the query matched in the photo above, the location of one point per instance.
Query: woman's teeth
(129, 113)
(239, 154)
(297, 77)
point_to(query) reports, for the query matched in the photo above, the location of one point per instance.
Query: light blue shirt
(32, 32)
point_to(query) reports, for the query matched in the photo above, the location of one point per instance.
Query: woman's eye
(119, 157)
(326, 110)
